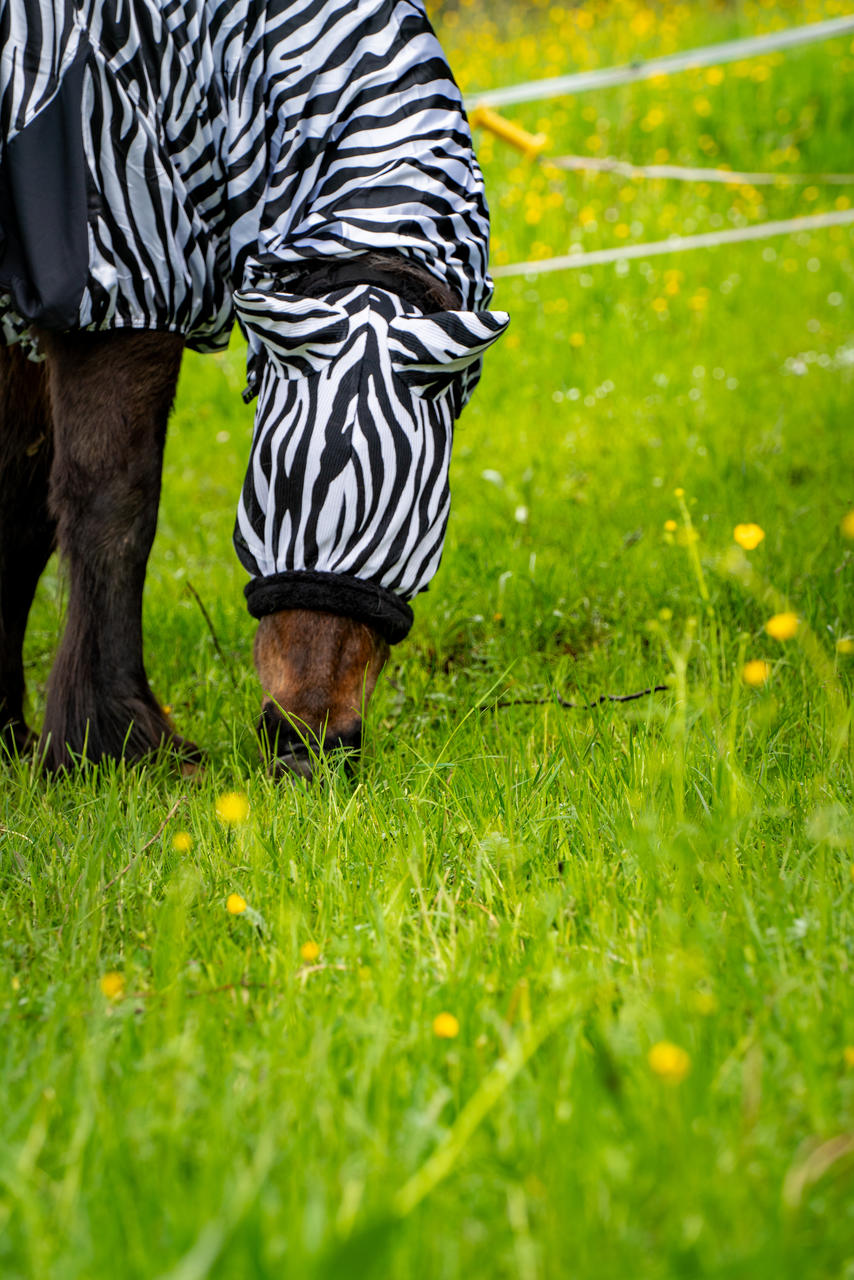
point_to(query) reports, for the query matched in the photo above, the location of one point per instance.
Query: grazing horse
(307, 166)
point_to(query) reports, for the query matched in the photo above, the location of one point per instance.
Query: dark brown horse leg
(27, 529)
(111, 394)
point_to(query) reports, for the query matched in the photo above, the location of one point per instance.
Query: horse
(164, 169)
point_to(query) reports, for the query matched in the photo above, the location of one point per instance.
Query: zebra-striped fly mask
(346, 497)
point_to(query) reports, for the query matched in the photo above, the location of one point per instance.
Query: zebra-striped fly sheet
(157, 156)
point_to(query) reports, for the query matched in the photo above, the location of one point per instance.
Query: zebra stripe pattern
(224, 140)
(159, 157)
(349, 465)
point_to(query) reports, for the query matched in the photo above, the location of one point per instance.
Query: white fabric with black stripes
(227, 140)
(231, 145)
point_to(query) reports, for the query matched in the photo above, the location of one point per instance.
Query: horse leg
(317, 672)
(111, 394)
(27, 529)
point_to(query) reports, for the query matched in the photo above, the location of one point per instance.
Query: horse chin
(318, 672)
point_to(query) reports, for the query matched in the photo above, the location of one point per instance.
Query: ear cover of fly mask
(440, 352)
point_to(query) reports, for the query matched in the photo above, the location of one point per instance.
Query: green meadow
(219, 1046)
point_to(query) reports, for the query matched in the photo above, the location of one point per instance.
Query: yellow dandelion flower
(309, 952)
(669, 1062)
(670, 526)
(659, 305)
(847, 525)
(699, 302)
(642, 22)
(653, 118)
(576, 339)
(235, 905)
(445, 1026)
(702, 106)
(182, 841)
(679, 493)
(845, 645)
(113, 985)
(848, 1055)
(232, 808)
(714, 75)
(748, 536)
(756, 672)
(782, 626)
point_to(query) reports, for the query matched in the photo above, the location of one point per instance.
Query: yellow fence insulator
(530, 144)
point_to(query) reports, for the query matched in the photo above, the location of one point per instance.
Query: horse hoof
(189, 758)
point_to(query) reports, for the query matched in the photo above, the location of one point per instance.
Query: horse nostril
(286, 754)
(349, 740)
(279, 736)
(291, 755)
(292, 765)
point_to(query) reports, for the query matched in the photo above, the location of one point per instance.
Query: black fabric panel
(44, 248)
(332, 593)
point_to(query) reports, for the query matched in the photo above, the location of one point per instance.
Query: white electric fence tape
(710, 55)
(678, 244)
(682, 173)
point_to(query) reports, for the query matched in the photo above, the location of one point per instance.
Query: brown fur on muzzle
(318, 672)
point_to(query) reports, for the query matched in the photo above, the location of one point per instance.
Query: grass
(575, 887)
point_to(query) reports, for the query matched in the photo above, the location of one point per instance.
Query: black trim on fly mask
(336, 593)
